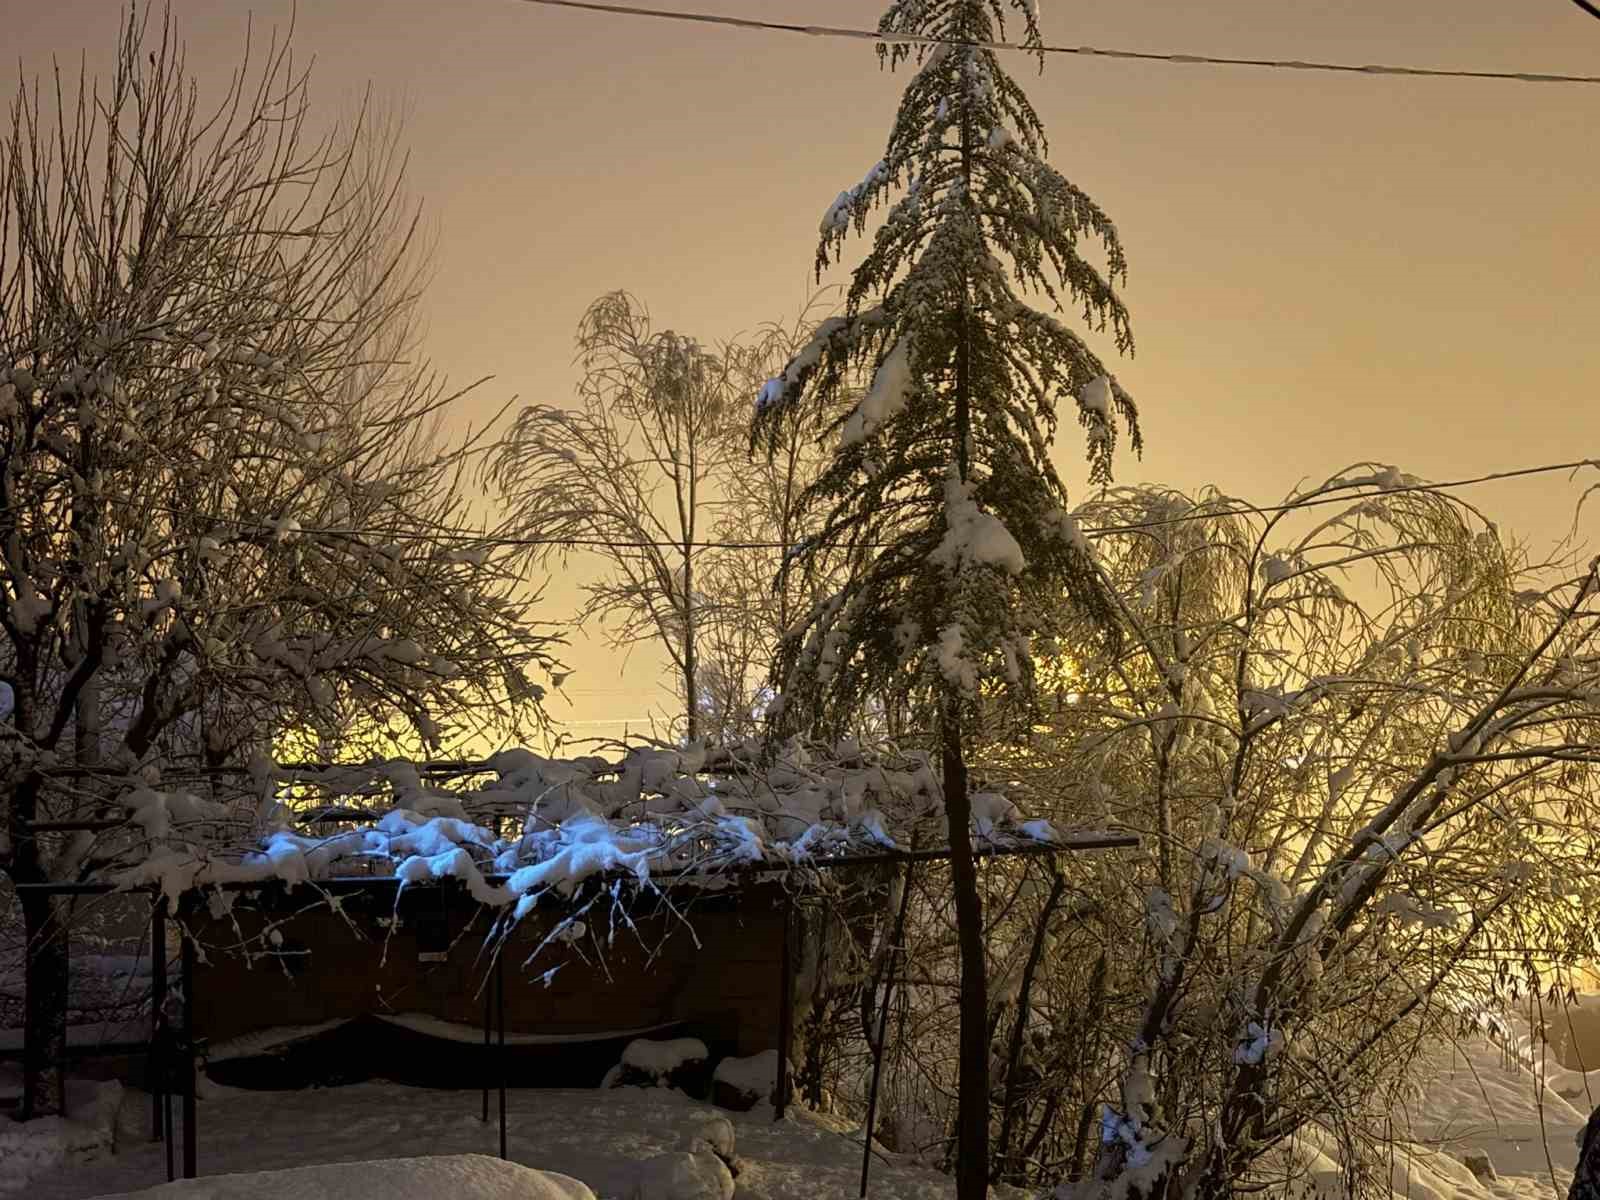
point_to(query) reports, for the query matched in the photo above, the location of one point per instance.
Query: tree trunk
(1019, 1027)
(44, 1006)
(1586, 1179)
(972, 1100)
(691, 699)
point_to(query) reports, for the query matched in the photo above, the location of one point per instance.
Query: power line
(1210, 60)
(1588, 8)
(1383, 486)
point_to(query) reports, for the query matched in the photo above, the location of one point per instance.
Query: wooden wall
(434, 962)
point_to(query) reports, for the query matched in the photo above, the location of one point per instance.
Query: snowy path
(1480, 1099)
(595, 1136)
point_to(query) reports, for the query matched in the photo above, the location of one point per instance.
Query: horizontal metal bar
(1108, 841)
(78, 889)
(99, 1050)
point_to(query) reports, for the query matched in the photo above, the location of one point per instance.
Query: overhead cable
(1399, 485)
(1210, 60)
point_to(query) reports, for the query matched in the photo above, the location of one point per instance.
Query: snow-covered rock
(741, 1083)
(670, 1062)
(1481, 1165)
(662, 1057)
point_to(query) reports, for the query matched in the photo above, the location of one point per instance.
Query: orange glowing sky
(1324, 268)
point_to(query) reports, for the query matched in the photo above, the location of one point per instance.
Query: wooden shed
(407, 967)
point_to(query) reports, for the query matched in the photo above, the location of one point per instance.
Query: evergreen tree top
(942, 488)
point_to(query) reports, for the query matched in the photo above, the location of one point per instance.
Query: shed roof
(519, 826)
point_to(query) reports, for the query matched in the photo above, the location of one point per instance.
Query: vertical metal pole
(169, 1066)
(166, 1127)
(488, 1058)
(189, 1155)
(66, 996)
(500, 1033)
(780, 1101)
(156, 1058)
(883, 1031)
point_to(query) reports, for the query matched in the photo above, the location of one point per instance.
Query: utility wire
(1346, 495)
(834, 31)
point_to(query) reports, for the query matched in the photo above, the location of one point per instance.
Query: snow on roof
(525, 826)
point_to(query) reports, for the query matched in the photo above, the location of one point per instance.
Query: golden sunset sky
(1324, 268)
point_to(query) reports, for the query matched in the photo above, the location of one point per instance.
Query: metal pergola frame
(167, 1047)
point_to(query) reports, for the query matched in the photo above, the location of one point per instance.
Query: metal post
(189, 1156)
(488, 997)
(66, 966)
(500, 1034)
(166, 1125)
(155, 1058)
(883, 1031)
(780, 1101)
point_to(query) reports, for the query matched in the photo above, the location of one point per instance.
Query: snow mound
(1574, 1034)
(460, 1176)
(713, 1132)
(86, 1134)
(684, 1175)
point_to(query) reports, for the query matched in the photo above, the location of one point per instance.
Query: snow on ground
(466, 1176)
(605, 1138)
(1483, 1100)
(1484, 1097)
(1480, 1098)
(87, 1134)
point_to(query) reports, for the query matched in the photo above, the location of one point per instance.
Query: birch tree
(628, 475)
(758, 523)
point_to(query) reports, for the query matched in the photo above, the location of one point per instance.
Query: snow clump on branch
(972, 535)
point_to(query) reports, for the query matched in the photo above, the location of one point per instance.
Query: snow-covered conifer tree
(942, 491)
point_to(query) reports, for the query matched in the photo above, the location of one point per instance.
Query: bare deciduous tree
(629, 474)
(759, 525)
(220, 513)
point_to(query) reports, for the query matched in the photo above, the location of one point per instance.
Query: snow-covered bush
(743, 1083)
(1358, 737)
